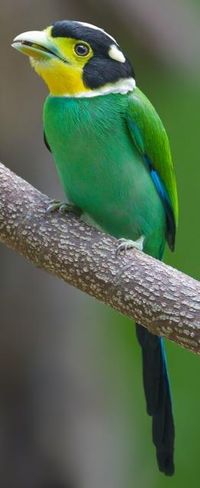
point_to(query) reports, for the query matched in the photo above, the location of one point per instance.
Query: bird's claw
(63, 208)
(126, 244)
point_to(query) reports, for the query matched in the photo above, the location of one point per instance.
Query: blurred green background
(72, 410)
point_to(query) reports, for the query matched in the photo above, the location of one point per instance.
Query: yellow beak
(37, 44)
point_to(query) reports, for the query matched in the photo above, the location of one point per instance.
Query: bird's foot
(126, 244)
(63, 208)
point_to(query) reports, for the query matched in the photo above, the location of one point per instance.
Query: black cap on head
(101, 68)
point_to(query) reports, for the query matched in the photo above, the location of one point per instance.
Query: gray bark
(157, 296)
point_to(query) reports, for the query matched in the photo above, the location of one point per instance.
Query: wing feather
(150, 138)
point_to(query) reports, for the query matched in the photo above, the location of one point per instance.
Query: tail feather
(158, 398)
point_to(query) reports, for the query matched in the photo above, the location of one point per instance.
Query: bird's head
(77, 59)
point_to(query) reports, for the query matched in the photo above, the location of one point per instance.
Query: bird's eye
(81, 49)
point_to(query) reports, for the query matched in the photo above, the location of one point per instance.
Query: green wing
(150, 138)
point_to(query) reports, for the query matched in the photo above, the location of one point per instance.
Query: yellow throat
(55, 60)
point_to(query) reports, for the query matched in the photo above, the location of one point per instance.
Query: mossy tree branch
(159, 297)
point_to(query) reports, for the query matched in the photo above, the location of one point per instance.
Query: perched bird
(113, 158)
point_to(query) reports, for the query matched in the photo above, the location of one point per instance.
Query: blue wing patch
(160, 187)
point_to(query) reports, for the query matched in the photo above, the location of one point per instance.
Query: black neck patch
(99, 71)
(101, 68)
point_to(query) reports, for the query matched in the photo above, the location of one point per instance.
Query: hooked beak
(37, 44)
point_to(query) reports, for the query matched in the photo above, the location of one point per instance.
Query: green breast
(100, 168)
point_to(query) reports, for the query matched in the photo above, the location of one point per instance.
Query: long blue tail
(158, 398)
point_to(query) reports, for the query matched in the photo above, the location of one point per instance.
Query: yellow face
(58, 60)
(77, 59)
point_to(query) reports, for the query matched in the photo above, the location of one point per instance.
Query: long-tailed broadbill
(113, 159)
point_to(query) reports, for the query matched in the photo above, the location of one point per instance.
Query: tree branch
(157, 296)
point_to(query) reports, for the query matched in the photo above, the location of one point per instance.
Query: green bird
(113, 159)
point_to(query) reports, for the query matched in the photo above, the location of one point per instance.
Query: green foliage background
(178, 103)
(69, 366)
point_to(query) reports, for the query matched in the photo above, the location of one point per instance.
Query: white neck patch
(122, 87)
